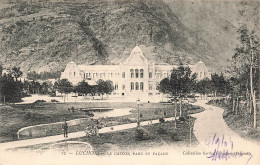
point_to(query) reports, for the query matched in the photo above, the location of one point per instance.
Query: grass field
(14, 117)
(156, 135)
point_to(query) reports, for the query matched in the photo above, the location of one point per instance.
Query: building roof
(98, 67)
(136, 57)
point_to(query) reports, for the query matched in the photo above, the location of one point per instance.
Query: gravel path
(213, 134)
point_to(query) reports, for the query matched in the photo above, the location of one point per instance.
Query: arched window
(136, 86)
(132, 73)
(141, 73)
(141, 86)
(150, 84)
(157, 85)
(116, 86)
(132, 86)
(136, 73)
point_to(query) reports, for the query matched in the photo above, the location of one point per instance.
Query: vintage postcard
(129, 82)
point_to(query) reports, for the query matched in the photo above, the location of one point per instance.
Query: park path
(56, 138)
(210, 123)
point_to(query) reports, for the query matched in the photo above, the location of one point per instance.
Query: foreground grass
(242, 123)
(14, 117)
(156, 135)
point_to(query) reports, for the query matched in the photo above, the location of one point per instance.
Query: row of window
(137, 86)
(102, 75)
(116, 86)
(135, 73)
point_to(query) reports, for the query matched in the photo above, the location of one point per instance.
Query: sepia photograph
(112, 82)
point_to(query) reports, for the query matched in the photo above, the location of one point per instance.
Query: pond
(113, 113)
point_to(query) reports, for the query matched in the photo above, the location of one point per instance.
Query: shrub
(182, 118)
(139, 134)
(161, 120)
(174, 136)
(39, 101)
(162, 131)
(54, 101)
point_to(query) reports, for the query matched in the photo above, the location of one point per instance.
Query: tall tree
(246, 57)
(16, 72)
(181, 83)
(63, 86)
(104, 87)
(83, 88)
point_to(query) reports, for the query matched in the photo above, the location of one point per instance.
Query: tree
(219, 84)
(245, 63)
(63, 86)
(104, 87)
(16, 72)
(11, 90)
(181, 83)
(46, 87)
(83, 88)
(204, 86)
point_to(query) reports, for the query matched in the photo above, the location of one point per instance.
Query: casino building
(135, 76)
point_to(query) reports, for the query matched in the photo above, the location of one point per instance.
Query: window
(158, 75)
(123, 87)
(132, 73)
(150, 74)
(132, 86)
(141, 73)
(74, 74)
(136, 86)
(70, 74)
(150, 83)
(141, 86)
(123, 74)
(200, 74)
(116, 86)
(109, 75)
(157, 86)
(165, 75)
(136, 73)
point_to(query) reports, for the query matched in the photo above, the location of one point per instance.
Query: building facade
(134, 76)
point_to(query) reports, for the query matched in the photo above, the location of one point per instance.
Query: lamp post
(174, 102)
(138, 113)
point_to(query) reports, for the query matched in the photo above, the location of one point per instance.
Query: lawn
(14, 117)
(156, 135)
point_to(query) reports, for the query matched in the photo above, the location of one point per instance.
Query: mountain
(45, 35)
